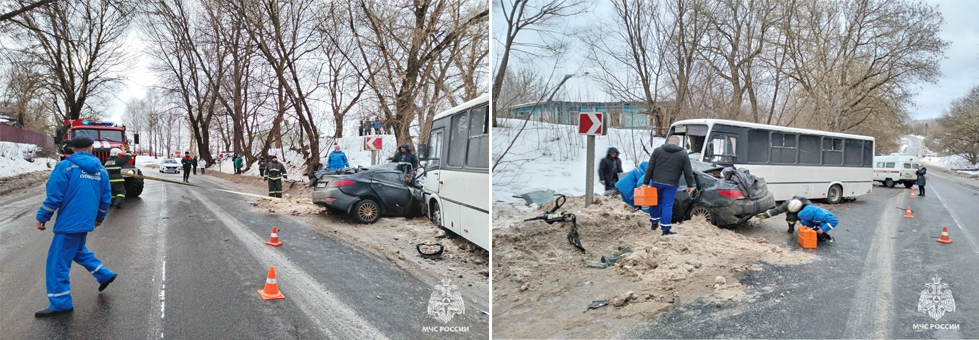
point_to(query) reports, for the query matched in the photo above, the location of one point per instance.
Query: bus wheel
(889, 183)
(908, 184)
(835, 194)
(435, 213)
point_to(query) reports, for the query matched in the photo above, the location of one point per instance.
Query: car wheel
(435, 214)
(835, 194)
(702, 212)
(367, 211)
(889, 183)
(908, 184)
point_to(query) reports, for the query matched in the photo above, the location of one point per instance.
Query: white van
(895, 168)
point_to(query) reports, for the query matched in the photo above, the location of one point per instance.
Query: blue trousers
(66, 248)
(662, 213)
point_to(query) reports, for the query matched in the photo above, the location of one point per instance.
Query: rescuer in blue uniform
(79, 190)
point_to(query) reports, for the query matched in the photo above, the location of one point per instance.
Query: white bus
(457, 178)
(794, 162)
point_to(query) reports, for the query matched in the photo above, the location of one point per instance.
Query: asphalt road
(865, 285)
(915, 146)
(190, 261)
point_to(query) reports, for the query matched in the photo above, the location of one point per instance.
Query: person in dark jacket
(193, 162)
(792, 206)
(663, 172)
(262, 164)
(114, 166)
(78, 189)
(609, 169)
(274, 173)
(186, 162)
(921, 172)
(404, 155)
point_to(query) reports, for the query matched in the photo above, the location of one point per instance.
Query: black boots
(668, 232)
(106, 284)
(47, 312)
(791, 228)
(655, 225)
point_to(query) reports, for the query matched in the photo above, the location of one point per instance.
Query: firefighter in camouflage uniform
(114, 166)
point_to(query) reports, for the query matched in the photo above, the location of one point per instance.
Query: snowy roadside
(537, 272)
(391, 238)
(19, 158)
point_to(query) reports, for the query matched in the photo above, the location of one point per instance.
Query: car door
(392, 190)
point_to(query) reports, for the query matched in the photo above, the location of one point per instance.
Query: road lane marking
(965, 232)
(872, 299)
(334, 318)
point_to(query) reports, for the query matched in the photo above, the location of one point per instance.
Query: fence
(12, 134)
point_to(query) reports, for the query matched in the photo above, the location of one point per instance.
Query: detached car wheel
(702, 212)
(366, 211)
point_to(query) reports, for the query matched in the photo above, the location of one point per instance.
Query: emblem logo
(936, 300)
(446, 301)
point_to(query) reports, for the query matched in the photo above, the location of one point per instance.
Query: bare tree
(525, 15)
(78, 47)
(959, 133)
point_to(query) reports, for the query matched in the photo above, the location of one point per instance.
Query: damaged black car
(723, 196)
(367, 194)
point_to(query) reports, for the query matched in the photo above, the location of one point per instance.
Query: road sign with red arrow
(592, 123)
(372, 143)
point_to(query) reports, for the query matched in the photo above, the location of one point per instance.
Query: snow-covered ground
(948, 162)
(19, 158)
(552, 156)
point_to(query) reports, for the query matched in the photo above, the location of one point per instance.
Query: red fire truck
(106, 135)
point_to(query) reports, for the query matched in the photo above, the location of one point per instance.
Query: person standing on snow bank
(404, 155)
(239, 163)
(262, 164)
(377, 126)
(922, 172)
(663, 171)
(274, 173)
(79, 190)
(336, 160)
(791, 206)
(609, 169)
(114, 166)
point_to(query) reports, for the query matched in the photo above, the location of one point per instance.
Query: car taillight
(331, 199)
(732, 194)
(340, 183)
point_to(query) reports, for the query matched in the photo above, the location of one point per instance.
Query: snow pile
(552, 156)
(950, 162)
(537, 272)
(19, 158)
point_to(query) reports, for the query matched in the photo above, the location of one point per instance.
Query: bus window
(478, 155)
(784, 149)
(458, 138)
(758, 147)
(832, 151)
(868, 153)
(853, 152)
(809, 150)
(692, 137)
(435, 148)
(722, 149)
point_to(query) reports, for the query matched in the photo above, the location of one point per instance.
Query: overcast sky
(960, 69)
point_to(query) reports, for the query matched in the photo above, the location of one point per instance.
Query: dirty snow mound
(533, 262)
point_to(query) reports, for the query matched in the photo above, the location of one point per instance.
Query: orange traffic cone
(908, 213)
(944, 238)
(274, 239)
(912, 193)
(271, 291)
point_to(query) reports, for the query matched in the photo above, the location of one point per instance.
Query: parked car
(722, 202)
(366, 194)
(170, 165)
